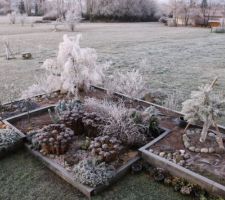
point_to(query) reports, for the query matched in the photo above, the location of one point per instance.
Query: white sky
(164, 1)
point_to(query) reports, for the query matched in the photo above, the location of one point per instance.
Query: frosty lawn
(174, 58)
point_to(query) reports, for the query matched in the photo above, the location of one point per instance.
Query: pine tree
(204, 4)
(36, 9)
(205, 106)
(21, 7)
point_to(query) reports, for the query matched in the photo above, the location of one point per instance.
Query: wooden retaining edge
(37, 111)
(65, 175)
(60, 171)
(179, 171)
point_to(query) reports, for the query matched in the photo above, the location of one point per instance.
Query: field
(171, 60)
(175, 59)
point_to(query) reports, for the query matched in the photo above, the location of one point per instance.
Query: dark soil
(36, 122)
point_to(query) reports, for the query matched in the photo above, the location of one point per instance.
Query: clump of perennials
(53, 139)
(106, 148)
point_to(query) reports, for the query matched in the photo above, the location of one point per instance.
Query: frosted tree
(73, 16)
(131, 83)
(22, 19)
(206, 107)
(12, 17)
(75, 69)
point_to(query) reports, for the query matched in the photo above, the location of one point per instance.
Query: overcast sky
(163, 1)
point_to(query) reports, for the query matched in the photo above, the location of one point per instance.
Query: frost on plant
(12, 17)
(7, 138)
(68, 105)
(73, 16)
(130, 126)
(130, 83)
(75, 68)
(204, 106)
(90, 173)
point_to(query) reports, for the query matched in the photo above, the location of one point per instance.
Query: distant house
(215, 17)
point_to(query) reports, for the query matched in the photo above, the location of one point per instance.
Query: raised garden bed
(39, 118)
(198, 168)
(168, 119)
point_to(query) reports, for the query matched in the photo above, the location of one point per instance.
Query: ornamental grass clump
(132, 127)
(205, 106)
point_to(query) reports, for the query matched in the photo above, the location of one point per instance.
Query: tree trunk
(204, 132)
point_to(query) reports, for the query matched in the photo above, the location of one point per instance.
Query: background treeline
(94, 10)
(122, 10)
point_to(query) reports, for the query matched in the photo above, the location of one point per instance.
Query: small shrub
(7, 138)
(129, 83)
(12, 17)
(91, 173)
(73, 17)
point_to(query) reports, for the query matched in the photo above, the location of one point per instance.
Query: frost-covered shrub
(130, 83)
(68, 105)
(90, 173)
(22, 19)
(174, 100)
(73, 17)
(8, 137)
(204, 106)
(45, 84)
(130, 126)
(104, 107)
(12, 17)
(125, 129)
(74, 69)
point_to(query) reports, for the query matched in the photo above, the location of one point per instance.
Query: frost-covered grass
(175, 58)
(23, 177)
